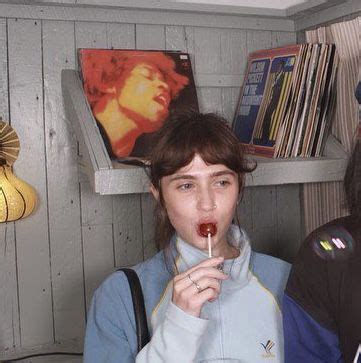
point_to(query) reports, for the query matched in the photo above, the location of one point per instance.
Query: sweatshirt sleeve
(176, 339)
(306, 340)
(110, 332)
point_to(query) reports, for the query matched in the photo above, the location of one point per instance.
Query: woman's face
(200, 193)
(146, 94)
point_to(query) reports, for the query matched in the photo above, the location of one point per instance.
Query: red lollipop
(207, 228)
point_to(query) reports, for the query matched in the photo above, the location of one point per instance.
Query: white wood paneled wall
(51, 262)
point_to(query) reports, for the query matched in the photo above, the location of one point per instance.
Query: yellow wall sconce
(17, 198)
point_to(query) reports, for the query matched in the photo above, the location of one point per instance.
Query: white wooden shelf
(109, 177)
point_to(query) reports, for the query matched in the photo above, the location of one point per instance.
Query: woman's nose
(206, 201)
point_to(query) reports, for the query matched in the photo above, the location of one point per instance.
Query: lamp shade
(17, 198)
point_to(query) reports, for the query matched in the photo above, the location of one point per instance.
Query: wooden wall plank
(233, 51)
(150, 36)
(128, 240)
(4, 99)
(258, 39)
(175, 38)
(9, 308)
(148, 221)
(97, 210)
(301, 37)
(245, 210)
(229, 101)
(210, 100)
(233, 62)
(26, 109)
(280, 39)
(127, 229)
(191, 46)
(205, 45)
(264, 219)
(120, 36)
(64, 203)
(98, 257)
(97, 234)
(289, 221)
(90, 35)
(207, 50)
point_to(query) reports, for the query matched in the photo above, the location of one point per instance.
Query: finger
(185, 292)
(197, 276)
(209, 262)
(186, 295)
(208, 272)
(188, 298)
(204, 296)
(206, 283)
(180, 285)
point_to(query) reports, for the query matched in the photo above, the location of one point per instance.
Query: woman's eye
(222, 183)
(185, 186)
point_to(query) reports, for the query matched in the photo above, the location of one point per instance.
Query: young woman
(322, 316)
(200, 307)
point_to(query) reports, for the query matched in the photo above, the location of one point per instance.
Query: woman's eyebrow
(181, 177)
(223, 172)
(193, 177)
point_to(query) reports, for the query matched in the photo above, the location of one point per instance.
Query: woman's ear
(155, 192)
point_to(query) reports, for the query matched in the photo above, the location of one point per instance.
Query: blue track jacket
(245, 322)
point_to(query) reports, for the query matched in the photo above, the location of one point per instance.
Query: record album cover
(132, 92)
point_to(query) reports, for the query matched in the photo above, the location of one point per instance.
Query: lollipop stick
(209, 246)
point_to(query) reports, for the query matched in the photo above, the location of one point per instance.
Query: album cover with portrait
(131, 94)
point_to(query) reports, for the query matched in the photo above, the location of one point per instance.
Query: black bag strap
(140, 314)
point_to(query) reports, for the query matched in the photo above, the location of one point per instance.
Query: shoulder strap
(140, 314)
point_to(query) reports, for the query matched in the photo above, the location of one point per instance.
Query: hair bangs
(181, 138)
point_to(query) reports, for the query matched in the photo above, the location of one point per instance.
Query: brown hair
(352, 181)
(181, 137)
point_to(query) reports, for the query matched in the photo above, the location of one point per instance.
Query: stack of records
(286, 102)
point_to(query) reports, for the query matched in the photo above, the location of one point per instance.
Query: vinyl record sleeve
(132, 93)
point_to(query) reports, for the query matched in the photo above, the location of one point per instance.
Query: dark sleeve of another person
(310, 307)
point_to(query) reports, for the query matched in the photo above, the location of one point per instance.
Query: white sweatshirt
(244, 322)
